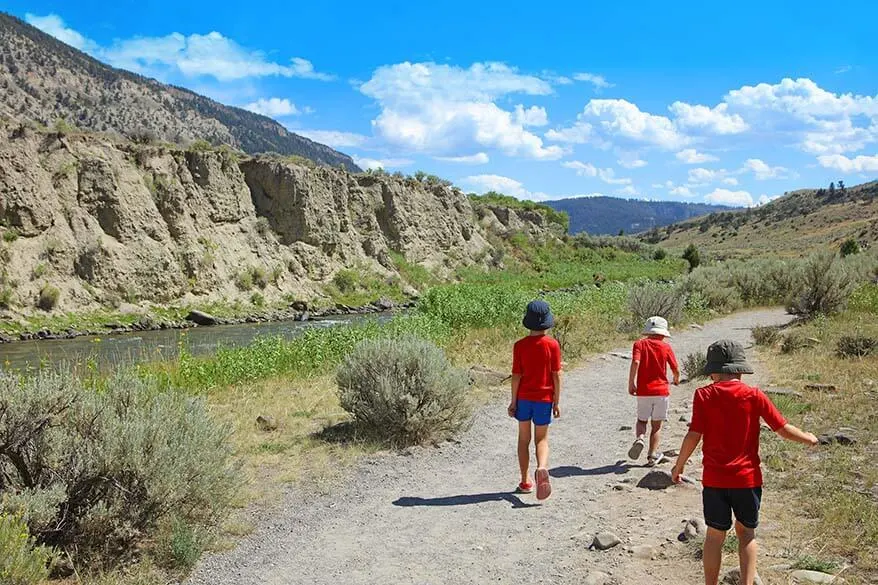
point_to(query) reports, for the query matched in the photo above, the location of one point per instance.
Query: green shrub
(200, 146)
(404, 391)
(114, 461)
(850, 246)
(648, 299)
(766, 335)
(244, 280)
(22, 561)
(693, 365)
(824, 286)
(5, 297)
(856, 345)
(10, 235)
(559, 218)
(692, 256)
(39, 271)
(49, 296)
(659, 255)
(345, 281)
(793, 342)
(178, 545)
(257, 299)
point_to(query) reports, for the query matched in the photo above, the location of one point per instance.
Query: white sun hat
(656, 326)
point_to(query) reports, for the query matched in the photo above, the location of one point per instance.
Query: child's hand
(813, 441)
(676, 473)
(556, 411)
(511, 409)
(632, 390)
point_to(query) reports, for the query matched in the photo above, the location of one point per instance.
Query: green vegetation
(693, 365)
(692, 256)
(200, 145)
(850, 246)
(10, 235)
(49, 296)
(22, 561)
(415, 396)
(498, 199)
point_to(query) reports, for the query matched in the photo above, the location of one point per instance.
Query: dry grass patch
(828, 496)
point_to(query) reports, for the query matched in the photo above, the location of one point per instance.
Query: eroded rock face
(103, 219)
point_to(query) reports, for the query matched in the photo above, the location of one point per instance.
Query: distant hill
(789, 226)
(44, 80)
(608, 215)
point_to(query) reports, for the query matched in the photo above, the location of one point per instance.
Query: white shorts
(652, 407)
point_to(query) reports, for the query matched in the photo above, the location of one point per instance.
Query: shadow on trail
(618, 468)
(464, 500)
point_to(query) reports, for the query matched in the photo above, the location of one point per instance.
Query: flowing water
(113, 351)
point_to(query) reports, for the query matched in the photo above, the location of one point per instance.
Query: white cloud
(443, 109)
(533, 116)
(682, 191)
(690, 156)
(498, 183)
(173, 55)
(631, 161)
(702, 176)
(274, 107)
(628, 191)
(53, 25)
(620, 120)
(589, 170)
(371, 163)
(712, 120)
(860, 164)
(763, 171)
(843, 69)
(597, 80)
(763, 199)
(335, 138)
(730, 181)
(726, 197)
(479, 158)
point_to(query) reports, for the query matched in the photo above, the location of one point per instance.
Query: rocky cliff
(104, 220)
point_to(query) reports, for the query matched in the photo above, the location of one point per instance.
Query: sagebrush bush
(793, 342)
(825, 284)
(49, 296)
(648, 299)
(856, 346)
(693, 365)
(92, 471)
(22, 561)
(766, 335)
(404, 391)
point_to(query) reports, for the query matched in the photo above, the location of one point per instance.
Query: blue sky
(692, 101)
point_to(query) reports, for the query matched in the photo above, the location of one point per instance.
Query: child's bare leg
(541, 438)
(640, 429)
(524, 449)
(655, 433)
(713, 555)
(747, 550)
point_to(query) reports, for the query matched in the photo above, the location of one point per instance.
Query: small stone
(624, 356)
(605, 541)
(733, 577)
(696, 326)
(383, 304)
(644, 552)
(694, 529)
(299, 306)
(844, 439)
(685, 419)
(625, 428)
(809, 577)
(411, 292)
(656, 480)
(266, 423)
(597, 578)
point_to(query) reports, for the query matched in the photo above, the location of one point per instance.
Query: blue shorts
(719, 504)
(538, 412)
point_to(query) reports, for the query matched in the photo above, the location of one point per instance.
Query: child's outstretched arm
(675, 369)
(632, 377)
(556, 401)
(793, 433)
(513, 403)
(690, 443)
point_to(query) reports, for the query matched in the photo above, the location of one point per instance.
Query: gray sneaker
(654, 459)
(636, 449)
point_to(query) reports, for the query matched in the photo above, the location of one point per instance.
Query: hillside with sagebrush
(44, 80)
(788, 226)
(610, 215)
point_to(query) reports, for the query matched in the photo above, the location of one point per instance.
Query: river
(113, 351)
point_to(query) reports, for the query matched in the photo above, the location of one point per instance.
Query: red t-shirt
(535, 358)
(727, 415)
(654, 355)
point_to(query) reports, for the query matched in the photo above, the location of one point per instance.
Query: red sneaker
(524, 487)
(544, 488)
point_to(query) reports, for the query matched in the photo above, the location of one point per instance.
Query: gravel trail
(446, 515)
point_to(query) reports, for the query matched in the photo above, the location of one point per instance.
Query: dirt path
(446, 515)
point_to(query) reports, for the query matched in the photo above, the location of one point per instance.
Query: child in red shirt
(726, 415)
(648, 380)
(536, 389)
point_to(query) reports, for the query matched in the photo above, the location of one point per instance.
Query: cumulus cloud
(371, 163)
(628, 191)
(479, 158)
(589, 170)
(443, 109)
(860, 164)
(726, 197)
(596, 80)
(682, 191)
(174, 55)
(763, 171)
(274, 107)
(702, 176)
(335, 138)
(631, 161)
(712, 120)
(690, 156)
(730, 181)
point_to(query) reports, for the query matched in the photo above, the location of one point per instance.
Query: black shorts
(719, 503)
